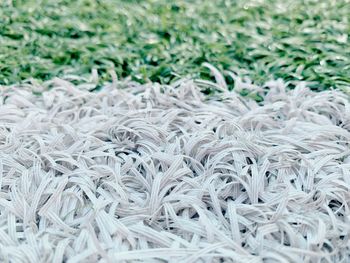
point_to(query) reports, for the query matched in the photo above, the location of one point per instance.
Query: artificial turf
(163, 40)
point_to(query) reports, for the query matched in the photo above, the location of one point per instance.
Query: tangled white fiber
(151, 173)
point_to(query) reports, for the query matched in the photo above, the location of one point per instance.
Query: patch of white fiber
(150, 173)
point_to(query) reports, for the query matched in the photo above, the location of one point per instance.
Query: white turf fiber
(150, 173)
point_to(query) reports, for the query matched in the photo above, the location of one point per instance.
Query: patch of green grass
(159, 40)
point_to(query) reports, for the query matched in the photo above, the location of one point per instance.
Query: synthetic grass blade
(159, 40)
(146, 173)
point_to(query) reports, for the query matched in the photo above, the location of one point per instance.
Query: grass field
(162, 40)
(99, 168)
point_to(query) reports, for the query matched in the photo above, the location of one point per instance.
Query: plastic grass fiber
(151, 173)
(162, 40)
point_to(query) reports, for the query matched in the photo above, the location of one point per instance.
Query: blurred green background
(159, 40)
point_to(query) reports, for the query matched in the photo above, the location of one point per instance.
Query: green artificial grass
(162, 40)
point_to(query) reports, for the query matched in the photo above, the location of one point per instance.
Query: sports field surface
(159, 41)
(174, 131)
